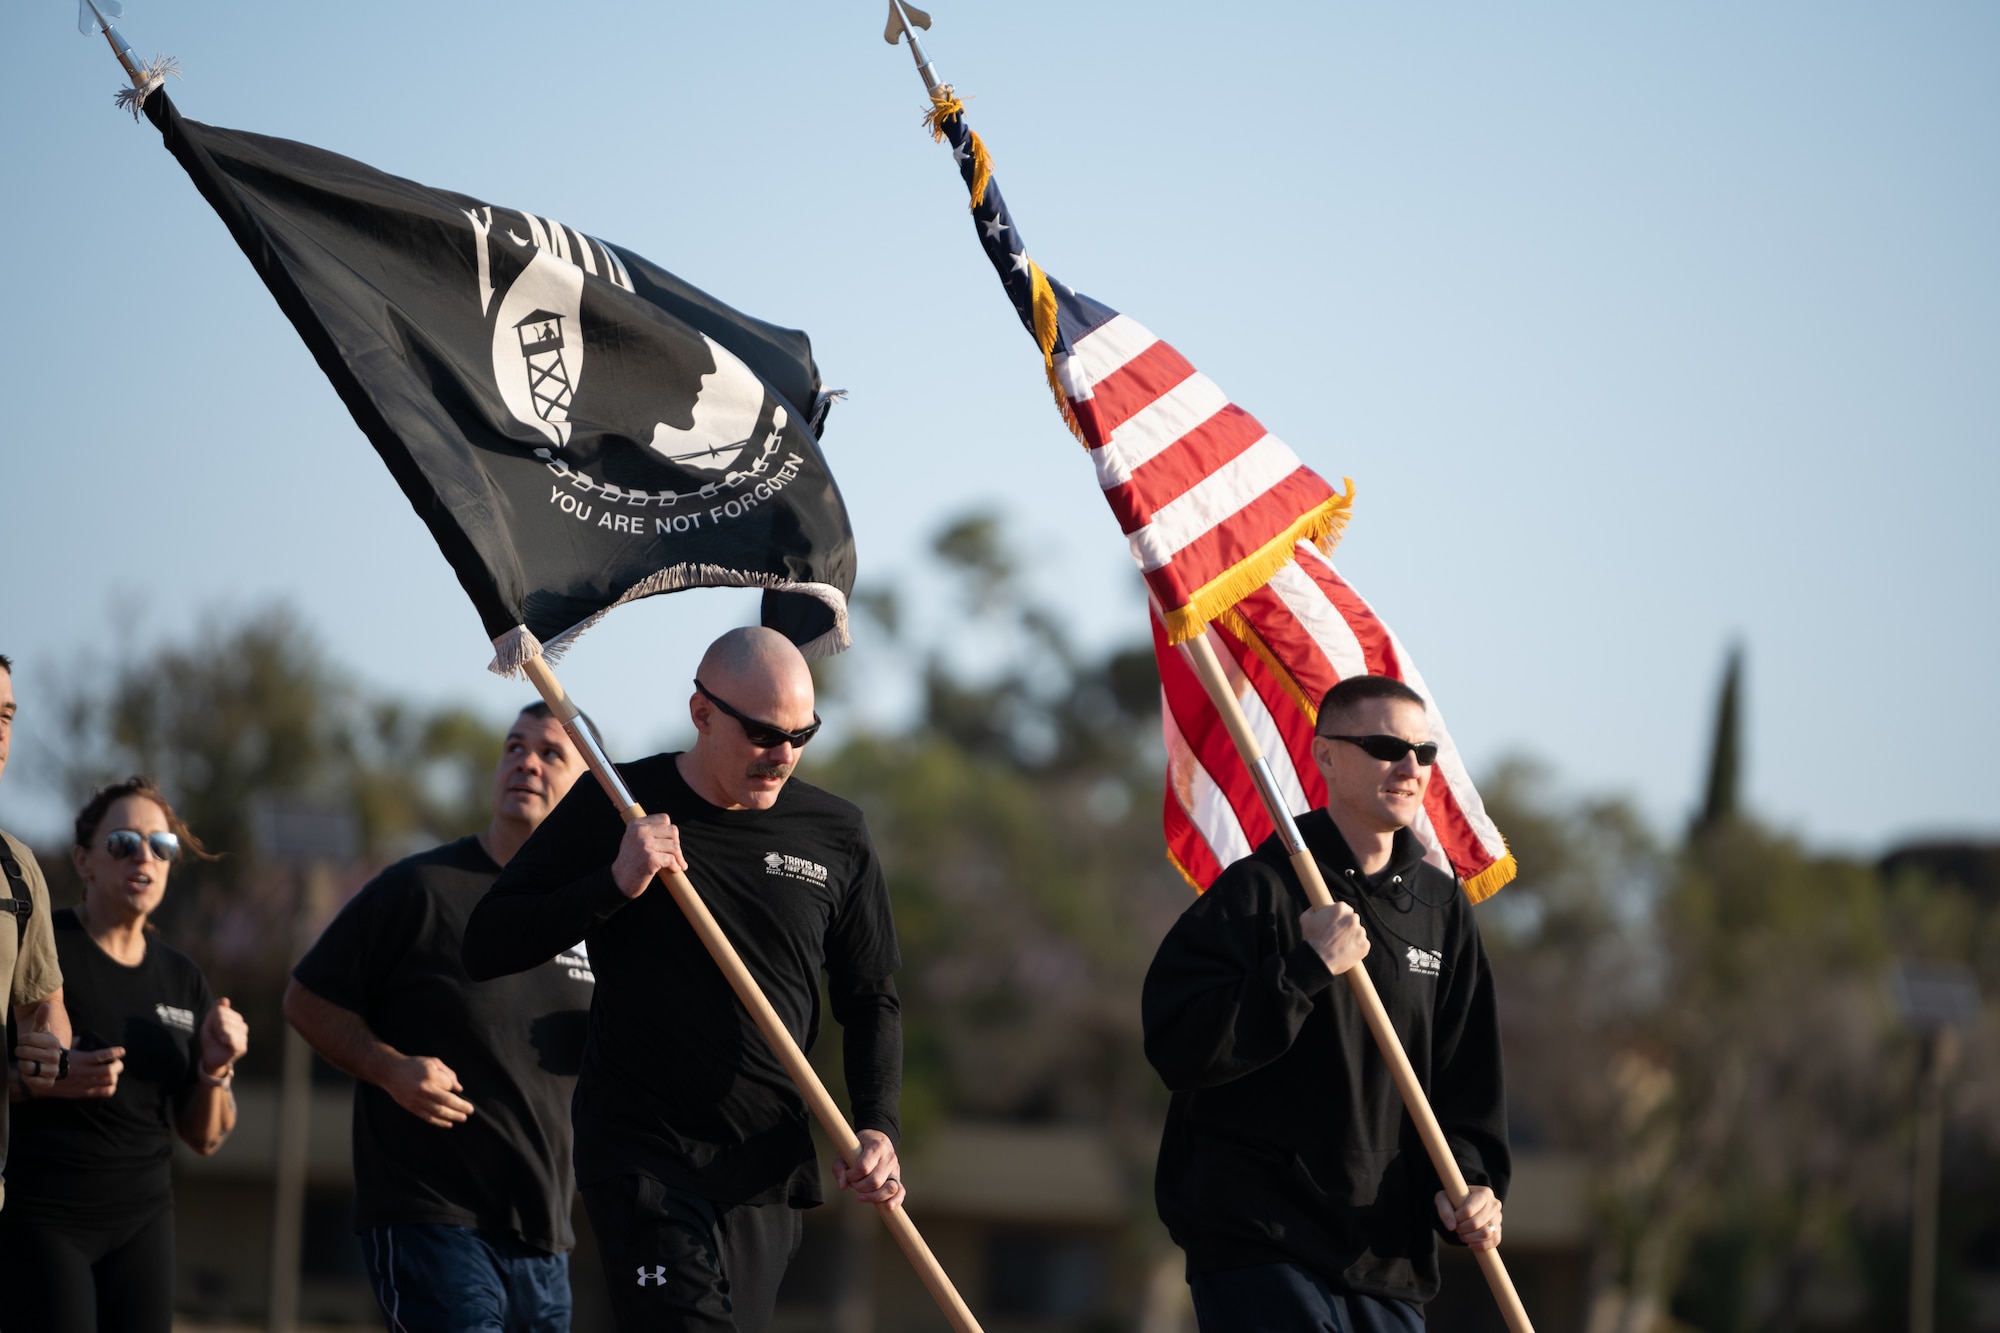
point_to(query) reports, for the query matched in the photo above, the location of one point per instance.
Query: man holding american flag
(1302, 1157)
(1288, 1171)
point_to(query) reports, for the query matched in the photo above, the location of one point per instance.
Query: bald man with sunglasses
(1288, 1172)
(693, 1149)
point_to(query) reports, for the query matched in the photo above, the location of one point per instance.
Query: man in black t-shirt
(694, 1150)
(462, 1173)
(1288, 1171)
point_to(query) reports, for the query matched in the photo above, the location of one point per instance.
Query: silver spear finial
(904, 20)
(93, 17)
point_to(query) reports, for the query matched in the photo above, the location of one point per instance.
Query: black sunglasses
(123, 843)
(762, 734)
(1389, 749)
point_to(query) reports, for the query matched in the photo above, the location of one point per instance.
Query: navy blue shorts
(1285, 1298)
(443, 1279)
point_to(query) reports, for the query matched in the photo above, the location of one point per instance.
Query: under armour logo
(658, 1277)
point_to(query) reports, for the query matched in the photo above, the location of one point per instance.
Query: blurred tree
(1016, 822)
(1709, 1025)
(241, 708)
(1725, 763)
(1043, 710)
(248, 709)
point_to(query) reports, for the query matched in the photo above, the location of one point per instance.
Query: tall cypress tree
(1725, 760)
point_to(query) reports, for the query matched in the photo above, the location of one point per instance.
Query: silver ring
(38, 1068)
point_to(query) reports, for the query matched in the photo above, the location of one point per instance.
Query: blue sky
(1640, 328)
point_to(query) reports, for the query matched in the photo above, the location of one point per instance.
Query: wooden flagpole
(752, 995)
(1201, 656)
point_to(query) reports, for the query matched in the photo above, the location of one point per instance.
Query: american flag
(1230, 530)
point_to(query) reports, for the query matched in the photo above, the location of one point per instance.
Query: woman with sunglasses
(87, 1237)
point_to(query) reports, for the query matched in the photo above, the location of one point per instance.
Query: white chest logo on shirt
(658, 1277)
(794, 867)
(175, 1018)
(577, 962)
(1424, 962)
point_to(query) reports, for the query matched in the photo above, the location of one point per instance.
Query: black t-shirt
(103, 1159)
(677, 1082)
(392, 956)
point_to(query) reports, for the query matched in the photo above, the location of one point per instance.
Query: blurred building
(1973, 867)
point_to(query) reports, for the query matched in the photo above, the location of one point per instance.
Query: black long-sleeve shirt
(677, 1082)
(1286, 1141)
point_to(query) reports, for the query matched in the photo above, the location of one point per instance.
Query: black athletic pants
(1285, 1298)
(60, 1277)
(679, 1263)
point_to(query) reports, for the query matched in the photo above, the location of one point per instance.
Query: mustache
(769, 770)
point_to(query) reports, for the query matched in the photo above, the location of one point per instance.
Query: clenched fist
(225, 1037)
(38, 1054)
(652, 846)
(874, 1177)
(92, 1073)
(1336, 935)
(1477, 1223)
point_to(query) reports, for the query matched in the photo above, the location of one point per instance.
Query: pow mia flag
(579, 427)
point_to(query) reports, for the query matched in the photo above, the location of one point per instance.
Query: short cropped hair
(1356, 690)
(539, 708)
(6, 664)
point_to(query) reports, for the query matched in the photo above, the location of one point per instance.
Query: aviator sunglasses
(1389, 749)
(762, 734)
(123, 843)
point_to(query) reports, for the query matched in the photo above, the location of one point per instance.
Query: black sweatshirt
(677, 1083)
(1286, 1141)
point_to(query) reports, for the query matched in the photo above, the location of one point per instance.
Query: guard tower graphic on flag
(541, 335)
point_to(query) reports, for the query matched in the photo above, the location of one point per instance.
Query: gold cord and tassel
(947, 105)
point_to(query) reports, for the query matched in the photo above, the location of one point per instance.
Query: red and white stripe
(1197, 484)
(1309, 619)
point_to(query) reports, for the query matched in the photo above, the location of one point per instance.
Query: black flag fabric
(578, 427)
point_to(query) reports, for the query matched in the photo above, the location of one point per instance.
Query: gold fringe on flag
(1044, 302)
(945, 105)
(1491, 880)
(1233, 621)
(1319, 525)
(1192, 882)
